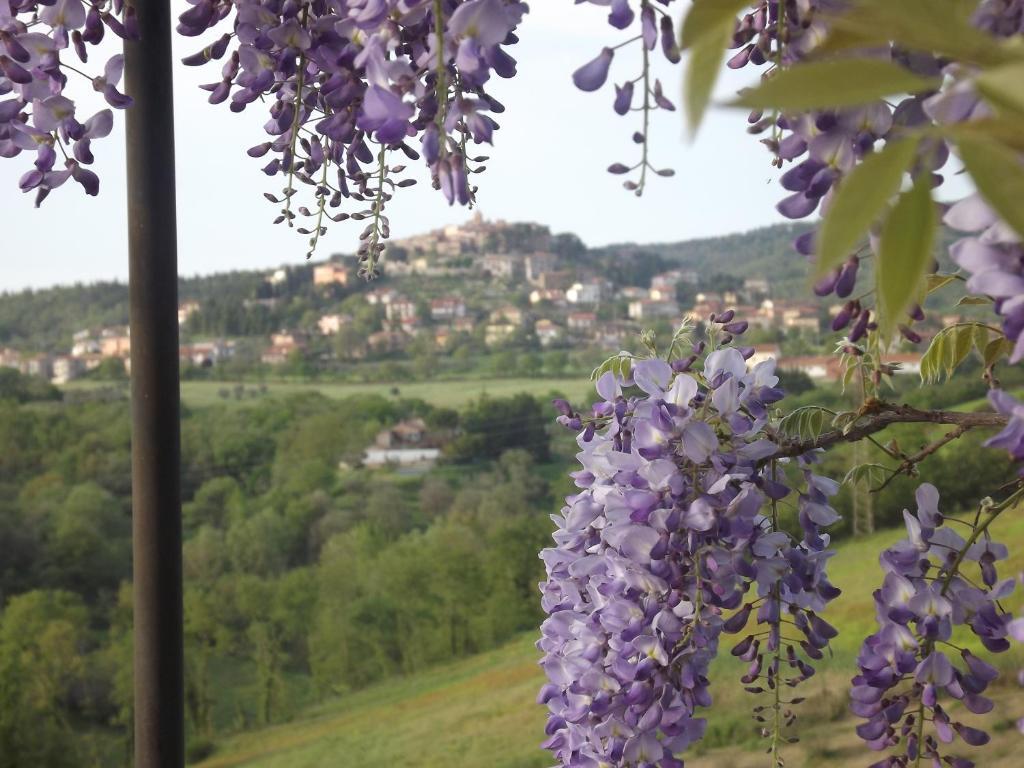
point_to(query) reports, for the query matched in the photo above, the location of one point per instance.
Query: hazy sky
(547, 165)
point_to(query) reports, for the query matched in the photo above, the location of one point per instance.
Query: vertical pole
(156, 460)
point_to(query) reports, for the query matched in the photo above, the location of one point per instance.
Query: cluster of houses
(558, 305)
(564, 306)
(90, 347)
(561, 311)
(451, 248)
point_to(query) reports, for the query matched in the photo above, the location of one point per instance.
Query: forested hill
(764, 252)
(46, 319)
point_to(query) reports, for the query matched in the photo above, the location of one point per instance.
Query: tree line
(303, 579)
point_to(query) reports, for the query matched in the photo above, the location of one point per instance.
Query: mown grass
(480, 712)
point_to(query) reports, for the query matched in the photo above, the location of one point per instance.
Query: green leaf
(967, 301)
(999, 176)
(833, 83)
(1003, 86)
(997, 348)
(849, 371)
(979, 339)
(932, 26)
(860, 199)
(703, 66)
(619, 364)
(1002, 130)
(805, 423)
(867, 474)
(707, 17)
(963, 341)
(904, 253)
(950, 347)
(932, 359)
(939, 281)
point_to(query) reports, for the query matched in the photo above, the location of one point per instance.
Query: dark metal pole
(156, 459)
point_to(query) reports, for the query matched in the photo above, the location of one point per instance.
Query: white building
(547, 332)
(645, 309)
(407, 458)
(447, 308)
(589, 292)
(330, 324)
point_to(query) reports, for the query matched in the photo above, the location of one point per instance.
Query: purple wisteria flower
(1011, 438)
(823, 146)
(37, 114)
(994, 258)
(909, 668)
(644, 93)
(666, 536)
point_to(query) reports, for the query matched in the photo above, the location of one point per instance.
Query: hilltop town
(452, 296)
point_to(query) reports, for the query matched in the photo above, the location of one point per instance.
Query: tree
(218, 502)
(88, 549)
(493, 425)
(42, 640)
(259, 544)
(16, 386)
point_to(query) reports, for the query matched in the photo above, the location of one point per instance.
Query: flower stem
(993, 513)
(777, 656)
(441, 86)
(296, 122)
(647, 111)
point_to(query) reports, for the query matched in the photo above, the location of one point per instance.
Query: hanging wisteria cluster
(823, 146)
(909, 690)
(673, 539)
(44, 46)
(643, 94)
(353, 84)
(916, 677)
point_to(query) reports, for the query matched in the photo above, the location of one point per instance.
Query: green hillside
(447, 394)
(480, 713)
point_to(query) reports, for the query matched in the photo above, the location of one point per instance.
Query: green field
(454, 393)
(480, 712)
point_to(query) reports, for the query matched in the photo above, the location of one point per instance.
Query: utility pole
(156, 443)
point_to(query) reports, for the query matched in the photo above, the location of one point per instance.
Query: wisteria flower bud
(594, 73)
(847, 277)
(910, 334)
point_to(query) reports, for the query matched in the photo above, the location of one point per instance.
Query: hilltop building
(646, 309)
(588, 292)
(330, 274)
(477, 236)
(447, 308)
(581, 322)
(400, 309)
(331, 324)
(547, 332)
(185, 310)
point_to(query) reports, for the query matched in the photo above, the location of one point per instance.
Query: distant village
(496, 282)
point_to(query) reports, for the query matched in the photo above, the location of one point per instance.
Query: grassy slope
(456, 393)
(480, 712)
